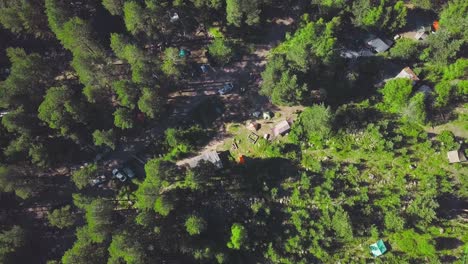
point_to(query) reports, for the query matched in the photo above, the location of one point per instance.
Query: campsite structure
(409, 74)
(456, 156)
(281, 128)
(378, 248)
(378, 45)
(209, 156)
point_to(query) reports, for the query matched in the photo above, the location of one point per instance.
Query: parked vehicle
(98, 180)
(228, 87)
(123, 173)
(204, 68)
(256, 114)
(129, 172)
(119, 175)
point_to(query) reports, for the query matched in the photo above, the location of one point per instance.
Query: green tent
(378, 248)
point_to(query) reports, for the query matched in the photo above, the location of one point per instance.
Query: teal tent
(183, 53)
(378, 248)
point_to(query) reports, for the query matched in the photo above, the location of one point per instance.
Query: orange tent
(241, 159)
(435, 25)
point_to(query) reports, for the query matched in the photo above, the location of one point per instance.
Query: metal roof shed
(378, 45)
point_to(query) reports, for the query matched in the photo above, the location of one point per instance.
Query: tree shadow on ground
(447, 243)
(451, 206)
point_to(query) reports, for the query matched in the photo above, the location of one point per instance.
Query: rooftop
(456, 156)
(378, 248)
(407, 73)
(378, 45)
(210, 156)
(281, 128)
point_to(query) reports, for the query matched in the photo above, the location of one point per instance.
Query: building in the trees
(409, 74)
(378, 248)
(253, 126)
(210, 156)
(281, 128)
(378, 45)
(456, 156)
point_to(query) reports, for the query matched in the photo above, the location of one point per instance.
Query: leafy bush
(150, 103)
(123, 118)
(173, 64)
(126, 93)
(405, 49)
(238, 236)
(444, 91)
(221, 51)
(456, 70)
(311, 163)
(83, 176)
(314, 125)
(396, 94)
(163, 206)
(413, 244)
(104, 137)
(447, 140)
(61, 217)
(195, 225)
(182, 142)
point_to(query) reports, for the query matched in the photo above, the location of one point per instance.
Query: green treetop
(123, 118)
(396, 94)
(195, 225)
(61, 217)
(238, 236)
(83, 176)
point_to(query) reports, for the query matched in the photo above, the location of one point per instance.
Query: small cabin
(378, 45)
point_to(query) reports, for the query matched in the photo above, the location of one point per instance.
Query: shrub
(447, 140)
(405, 49)
(61, 217)
(221, 51)
(238, 236)
(195, 225)
(413, 244)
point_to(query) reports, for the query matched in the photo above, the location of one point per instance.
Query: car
(98, 180)
(204, 68)
(119, 175)
(227, 88)
(256, 114)
(129, 172)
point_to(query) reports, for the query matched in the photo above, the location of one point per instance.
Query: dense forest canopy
(236, 131)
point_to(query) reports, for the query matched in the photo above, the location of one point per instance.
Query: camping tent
(378, 248)
(183, 53)
(456, 156)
